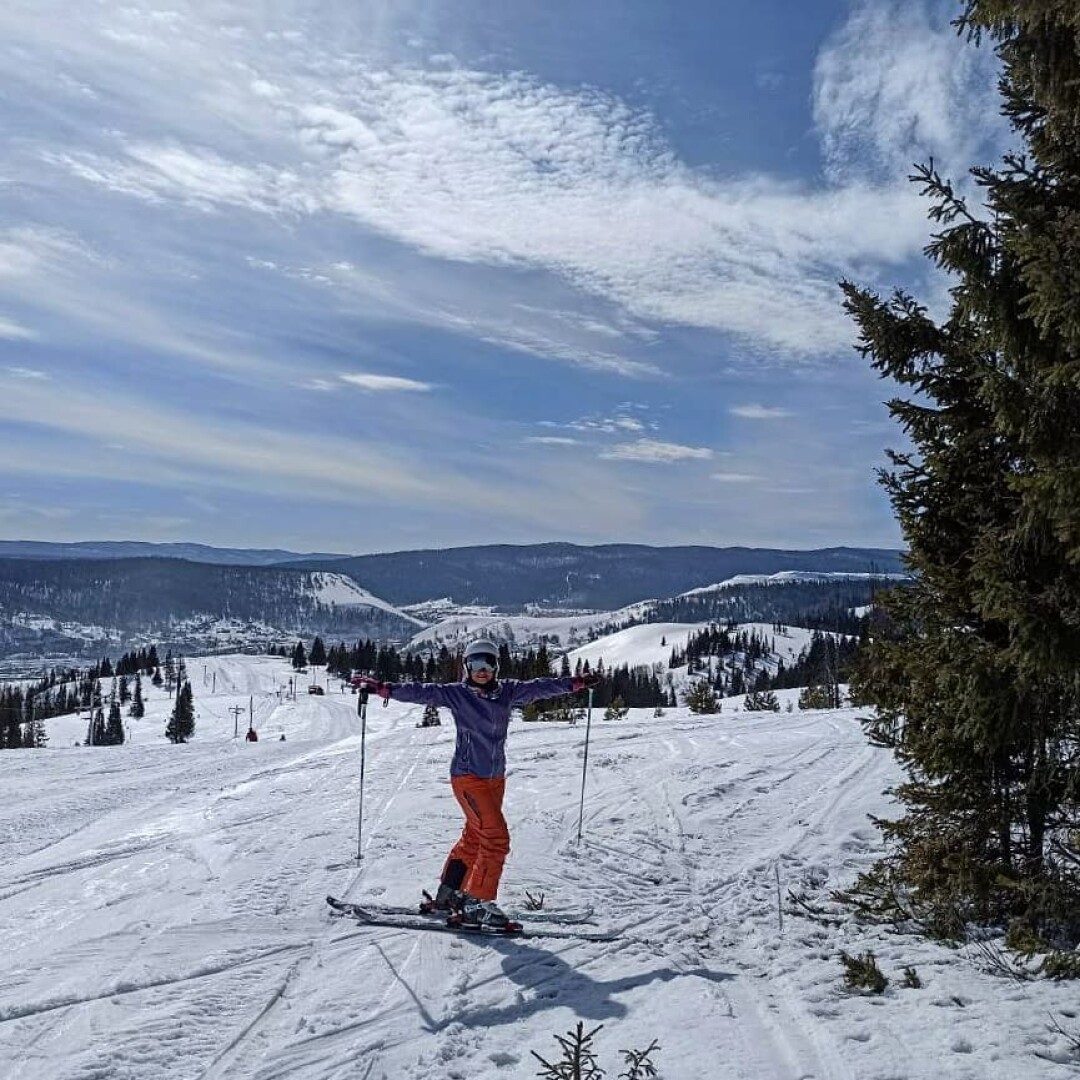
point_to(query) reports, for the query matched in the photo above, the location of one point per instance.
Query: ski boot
(446, 901)
(482, 915)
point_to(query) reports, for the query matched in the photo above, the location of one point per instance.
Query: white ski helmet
(484, 649)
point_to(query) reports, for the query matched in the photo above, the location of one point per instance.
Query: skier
(480, 705)
(252, 735)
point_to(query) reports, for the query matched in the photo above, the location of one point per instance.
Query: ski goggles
(482, 662)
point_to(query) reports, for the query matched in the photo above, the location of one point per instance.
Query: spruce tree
(181, 725)
(761, 701)
(114, 728)
(137, 709)
(616, 710)
(701, 698)
(299, 657)
(975, 669)
(95, 733)
(36, 734)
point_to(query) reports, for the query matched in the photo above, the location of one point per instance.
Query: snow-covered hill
(651, 643)
(561, 630)
(162, 912)
(570, 631)
(787, 577)
(340, 591)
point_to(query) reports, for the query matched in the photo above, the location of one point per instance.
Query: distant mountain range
(95, 599)
(136, 549)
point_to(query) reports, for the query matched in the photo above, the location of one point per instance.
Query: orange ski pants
(485, 841)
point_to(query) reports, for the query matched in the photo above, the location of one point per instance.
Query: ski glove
(586, 681)
(375, 687)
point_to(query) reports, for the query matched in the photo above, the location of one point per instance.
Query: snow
(162, 908)
(651, 643)
(339, 590)
(637, 646)
(568, 629)
(786, 576)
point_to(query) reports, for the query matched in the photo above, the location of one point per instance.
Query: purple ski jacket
(481, 715)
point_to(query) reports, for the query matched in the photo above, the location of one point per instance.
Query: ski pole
(361, 708)
(584, 766)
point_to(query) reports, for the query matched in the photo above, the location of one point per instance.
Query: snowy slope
(651, 643)
(337, 590)
(567, 629)
(786, 576)
(162, 915)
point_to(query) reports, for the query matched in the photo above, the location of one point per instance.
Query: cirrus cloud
(504, 169)
(384, 383)
(655, 452)
(759, 412)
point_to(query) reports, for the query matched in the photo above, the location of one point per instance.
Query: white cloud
(655, 452)
(506, 170)
(896, 84)
(197, 176)
(26, 251)
(619, 423)
(383, 383)
(735, 478)
(13, 331)
(27, 373)
(552, 440)
(90, 297)
(536, 343)
(72, 434)
(758, 412)
(271, 112)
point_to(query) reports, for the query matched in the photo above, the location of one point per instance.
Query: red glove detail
(373, 686)
(585, 682)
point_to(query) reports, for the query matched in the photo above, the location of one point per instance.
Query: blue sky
(366, 275)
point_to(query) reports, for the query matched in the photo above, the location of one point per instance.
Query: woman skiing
(480, 705)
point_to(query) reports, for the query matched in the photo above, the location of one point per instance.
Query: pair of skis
(403, 918)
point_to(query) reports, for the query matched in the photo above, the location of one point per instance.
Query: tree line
(62, 691)
(638, 687)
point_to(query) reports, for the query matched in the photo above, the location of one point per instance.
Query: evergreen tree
(317, 656)
(761, 701)
(975, 668)
(137, 709)
(114, 728)
(616, 710)
(299, 657)
(701, 698)
(95, 732)
(817, 696)
(181, 725)
(36, 736)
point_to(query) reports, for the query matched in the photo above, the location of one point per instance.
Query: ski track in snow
(162, 908)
